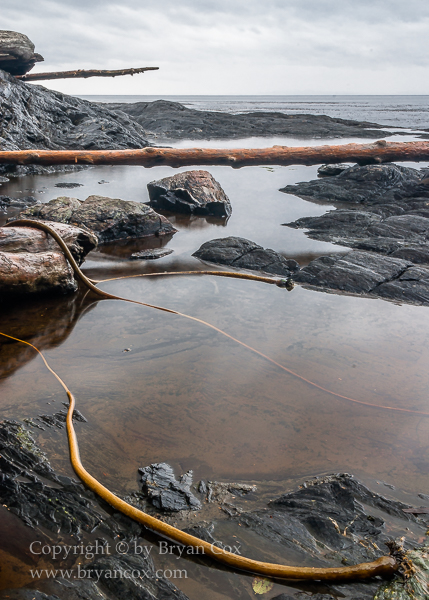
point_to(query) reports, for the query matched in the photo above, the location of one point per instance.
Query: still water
(158, 387)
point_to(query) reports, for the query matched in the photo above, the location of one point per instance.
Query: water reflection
(44, 322)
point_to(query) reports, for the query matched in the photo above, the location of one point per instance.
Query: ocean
(392, 111)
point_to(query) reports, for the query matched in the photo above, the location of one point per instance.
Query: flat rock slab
(171, 120)
(356, 272)
(165, 491)
(241, 253)
(109, 218)
(368, 184)
(368, 274)
(191, 192)
(32, 263)
(152, 254)
(388, 217)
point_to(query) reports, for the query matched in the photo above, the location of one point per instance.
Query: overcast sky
(231, 46)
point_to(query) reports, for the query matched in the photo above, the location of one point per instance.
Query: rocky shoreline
(382, 221)
(331, 520)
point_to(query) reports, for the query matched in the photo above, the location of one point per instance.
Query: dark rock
(334, 519)
(151, 254)
(68, 185)
(24, 202)
(191, 192)
(331, 170)
(394, 223)
(165, 492)
(242, 253)
(30, 489)
(36, 502)
(109, 218)
(414, 254)
(356, 272)
(368, 184)
(27, 594)
(59, 419)
(411, 287)
(171, 120)
(141, 583)
(32, 116)
(17, 54)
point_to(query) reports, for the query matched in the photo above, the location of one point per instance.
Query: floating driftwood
(83, 74)
(377, 152)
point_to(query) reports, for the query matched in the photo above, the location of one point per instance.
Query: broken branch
(81, 73)
(378, 152)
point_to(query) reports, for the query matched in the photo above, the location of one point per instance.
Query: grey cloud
(227, 40)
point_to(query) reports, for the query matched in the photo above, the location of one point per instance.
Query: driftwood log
(83, 74)
(377, 152)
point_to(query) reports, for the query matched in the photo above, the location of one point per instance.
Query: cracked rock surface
(386, 222)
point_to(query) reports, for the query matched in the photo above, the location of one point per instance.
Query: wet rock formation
(165, 492)
(370, 184)
(191, 192)
(244, 254)
(32, 116)
(386, 222)
(32, 263)
(24, 202)
(329, 521)
(17, 55)
(109, 219)
(31, 490)
(171, 121)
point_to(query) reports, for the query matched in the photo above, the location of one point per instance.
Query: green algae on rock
(415, 584)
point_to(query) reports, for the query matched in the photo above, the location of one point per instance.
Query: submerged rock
(191, 192)
(330, 521)
(152, 254)
(31, 261)
(241, 253)
(43, 500)
(165, 492)
(171, 120)
(109, 218)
